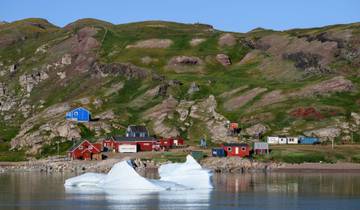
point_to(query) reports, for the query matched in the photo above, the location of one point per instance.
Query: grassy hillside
(272, 74)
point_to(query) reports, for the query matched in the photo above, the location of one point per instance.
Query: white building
(282, 140)
(273, 140)
(292, 140)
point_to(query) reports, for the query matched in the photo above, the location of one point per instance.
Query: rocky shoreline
(217, 165)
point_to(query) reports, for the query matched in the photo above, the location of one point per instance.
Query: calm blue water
(251, 191)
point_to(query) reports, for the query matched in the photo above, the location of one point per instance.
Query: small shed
(218, 152)
(236, 149)
(261, 148)
(273, 140)
(309, 140)
(79, 115)
(85, 150)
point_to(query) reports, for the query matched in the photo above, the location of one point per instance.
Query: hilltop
(178, 79)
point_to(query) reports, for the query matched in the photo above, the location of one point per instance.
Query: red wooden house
(85, 151)
(143, 143)
(236, 149)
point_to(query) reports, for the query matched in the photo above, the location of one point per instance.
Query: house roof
(138, 128)
(134, 139)
(80, 143)
(81, 108)
(235, 145)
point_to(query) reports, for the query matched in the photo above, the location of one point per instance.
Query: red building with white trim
(236, 149)
(85, 150)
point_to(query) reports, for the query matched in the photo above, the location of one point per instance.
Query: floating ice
(177, 176)
(189, 174)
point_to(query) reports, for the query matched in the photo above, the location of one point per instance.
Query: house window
(81, 147)
(243, 148)
(76, 113)
(229, 149)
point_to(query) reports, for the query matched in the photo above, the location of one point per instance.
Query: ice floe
(174, 176)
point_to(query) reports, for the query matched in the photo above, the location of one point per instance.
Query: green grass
(52, 148)
(10, 156)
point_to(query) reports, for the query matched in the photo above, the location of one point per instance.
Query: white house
(292, 140)
(273, 140)
(282, 140)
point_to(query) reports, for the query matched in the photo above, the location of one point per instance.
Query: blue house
(79, 114)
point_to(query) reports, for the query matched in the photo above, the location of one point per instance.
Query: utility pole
(58, 148)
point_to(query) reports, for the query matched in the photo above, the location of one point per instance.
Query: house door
(236, 150)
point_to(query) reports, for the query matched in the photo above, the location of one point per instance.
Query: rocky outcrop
(223, 59)
(29, 81)
(181, 64)
(324, 133)
(152, 43)
(159, 115)
(227, 40)
(334, 85)
(256, 130)
(128, 71)
(215, 123)
(239, 101)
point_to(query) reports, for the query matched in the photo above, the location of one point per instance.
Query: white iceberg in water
(176, 176)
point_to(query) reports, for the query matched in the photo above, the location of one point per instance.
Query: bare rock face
(159, 114)
(183, 63)
(184, 109)
(66, 59)
(152, 43)
(29, 138)
(256, 130)
(227, 40)
(336, 84)
(118, 69)
(324, 133)
(239, 101)
(29, 81)
(185, 60)
(215, 123)
(223, 59)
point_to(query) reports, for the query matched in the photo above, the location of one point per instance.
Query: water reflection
(137, 199)
(232, 191)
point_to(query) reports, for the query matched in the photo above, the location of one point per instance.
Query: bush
(355, 158)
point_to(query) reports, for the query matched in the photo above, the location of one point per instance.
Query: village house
(273, 140)
(79, 115)
(261, 148)
(137, 131)
(236, 149)
(85, 150)
(292, 140)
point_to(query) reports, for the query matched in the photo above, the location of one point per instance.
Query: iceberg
(174, 176)
(189, 174)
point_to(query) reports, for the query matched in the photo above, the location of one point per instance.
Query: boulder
(223, 59)
(256, 130)
(185, 60)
